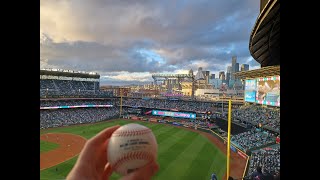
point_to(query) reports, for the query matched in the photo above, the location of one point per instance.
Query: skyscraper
(200, 75)
(228, 73)
(244, 67)
(237, 67)
(191, 72)
(234, 66)
(234, 60)
(222, 75)
(212, 76)
(206, 76)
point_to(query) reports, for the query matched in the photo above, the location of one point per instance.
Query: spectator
(66, 117)
(257, 175)
(213, 176)
(253, 139)
(268, 158)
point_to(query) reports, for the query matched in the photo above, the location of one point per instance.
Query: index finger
(102, 136)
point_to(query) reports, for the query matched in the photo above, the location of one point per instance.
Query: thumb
(107, 172)
(143, 173)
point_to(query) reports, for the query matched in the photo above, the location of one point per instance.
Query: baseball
(130, 147)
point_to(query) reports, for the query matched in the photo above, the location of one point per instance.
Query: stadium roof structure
(256, 73)
(68, 73)
(264, 43)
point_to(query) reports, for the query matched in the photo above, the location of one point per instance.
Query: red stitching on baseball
(133, 156)
(131, 133)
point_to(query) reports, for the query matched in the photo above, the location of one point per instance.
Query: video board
(250, 90)
(263, 90)
(268, 91)
(174, 114)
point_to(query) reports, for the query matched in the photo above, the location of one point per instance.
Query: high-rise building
(234, 60)
(191, 71)
(244, 67)
(212, 76)
(237, 67)
(200, 75)
(229, 69)
(216, 83)
(233, 66)
(222, 76)
(206, 76)
(228, 73)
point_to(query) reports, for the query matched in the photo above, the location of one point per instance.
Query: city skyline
(125, 42)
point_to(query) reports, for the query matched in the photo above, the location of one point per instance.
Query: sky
(126, 41)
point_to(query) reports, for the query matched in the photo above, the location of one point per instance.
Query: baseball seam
(133, 156)
(131, 133)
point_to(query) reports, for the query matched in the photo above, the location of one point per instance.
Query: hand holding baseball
(93, 164)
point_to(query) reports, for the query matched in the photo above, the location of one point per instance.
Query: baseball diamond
(183, 153)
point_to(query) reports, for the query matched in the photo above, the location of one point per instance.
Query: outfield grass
(182, 154)
(47, 146)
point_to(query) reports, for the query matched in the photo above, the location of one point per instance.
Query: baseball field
(182, 154)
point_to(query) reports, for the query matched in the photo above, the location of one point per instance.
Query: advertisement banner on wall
(134, 118)
(233, 148)
(174, 114)
(242, 155)
(153, 120)
(78, 106)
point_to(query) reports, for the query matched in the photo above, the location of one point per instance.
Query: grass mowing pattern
(47, 146)
(181, 154)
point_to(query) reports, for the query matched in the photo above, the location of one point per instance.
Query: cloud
(144, 36)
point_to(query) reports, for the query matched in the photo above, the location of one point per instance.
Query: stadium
(192, 135)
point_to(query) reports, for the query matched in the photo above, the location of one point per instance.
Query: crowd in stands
(67, 85)
(49, 103)
(88, 94)
(256, 114)
(196, 123)
(66, 117)
(153, 103)
(253, 139)
(169, 104)
(55, 87)
(245, 115)
(267, 158)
